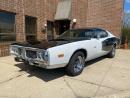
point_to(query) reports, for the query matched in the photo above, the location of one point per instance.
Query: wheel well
(79, 50)
(83, 51)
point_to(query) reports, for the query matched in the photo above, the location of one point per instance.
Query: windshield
(76, 34)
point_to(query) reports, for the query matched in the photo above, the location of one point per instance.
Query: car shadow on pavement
(48, 74)
(89, 63)
(44, 74)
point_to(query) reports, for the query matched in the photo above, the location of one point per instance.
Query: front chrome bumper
(21, 56)
(32, 62)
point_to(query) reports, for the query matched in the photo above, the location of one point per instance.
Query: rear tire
(112, 52)
(76, 64)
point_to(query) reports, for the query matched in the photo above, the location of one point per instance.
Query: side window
(85, 33)
(89, 33)
(101, 33)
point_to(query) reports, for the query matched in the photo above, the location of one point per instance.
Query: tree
(125, 34)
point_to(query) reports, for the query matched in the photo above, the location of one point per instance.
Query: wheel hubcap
(113, 51)
(79, 64)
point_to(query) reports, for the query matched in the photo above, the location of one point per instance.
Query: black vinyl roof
(92, 28)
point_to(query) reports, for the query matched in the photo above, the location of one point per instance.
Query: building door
(50, 30)
(30, 28)
(62, 26)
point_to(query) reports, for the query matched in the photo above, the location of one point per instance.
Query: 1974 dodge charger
(69, 50)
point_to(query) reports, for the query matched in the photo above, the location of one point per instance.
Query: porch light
(74, 20)
(45, 25)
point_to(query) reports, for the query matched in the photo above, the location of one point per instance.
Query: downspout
(122, 20)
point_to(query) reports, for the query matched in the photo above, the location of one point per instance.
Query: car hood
(41, 44)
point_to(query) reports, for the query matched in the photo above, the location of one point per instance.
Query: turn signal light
(61, 55)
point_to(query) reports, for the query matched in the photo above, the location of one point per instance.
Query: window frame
(30, 34)
(8, 34)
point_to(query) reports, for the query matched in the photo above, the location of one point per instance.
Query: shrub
(125, 34)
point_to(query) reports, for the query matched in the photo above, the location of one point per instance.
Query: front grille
(20, 51)
(31, 54)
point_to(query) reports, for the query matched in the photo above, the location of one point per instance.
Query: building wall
(105, 14)
(22, 8)
(10, 6)
(89, 13)
(51, 6)
(19, 8)
(79, 12)
(30, 7)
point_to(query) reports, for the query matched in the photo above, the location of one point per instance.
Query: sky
(127, 6)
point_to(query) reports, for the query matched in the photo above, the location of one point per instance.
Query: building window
(31, 28)
(7, 27)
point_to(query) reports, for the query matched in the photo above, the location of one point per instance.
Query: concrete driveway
(102, 78)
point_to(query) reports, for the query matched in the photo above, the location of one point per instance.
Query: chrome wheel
(76, 64)
(113, 51)
(79, 64)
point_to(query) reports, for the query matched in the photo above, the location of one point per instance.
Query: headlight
(13, 50)
(45, 55)
(16, 50)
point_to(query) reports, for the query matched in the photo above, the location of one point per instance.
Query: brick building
(24, 20)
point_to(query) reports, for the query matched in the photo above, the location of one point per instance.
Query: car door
(96, 47)
(92, 45)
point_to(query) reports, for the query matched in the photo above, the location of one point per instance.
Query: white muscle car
(69, 50)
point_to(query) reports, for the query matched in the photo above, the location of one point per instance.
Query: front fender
(67, 50)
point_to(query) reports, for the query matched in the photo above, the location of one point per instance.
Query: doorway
(62, 26)
(50, 30)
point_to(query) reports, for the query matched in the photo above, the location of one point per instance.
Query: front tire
(76, 64)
